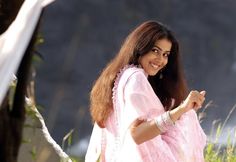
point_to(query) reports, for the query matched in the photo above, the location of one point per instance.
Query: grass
(216, 151)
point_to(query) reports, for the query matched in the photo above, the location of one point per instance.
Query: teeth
(155, 66)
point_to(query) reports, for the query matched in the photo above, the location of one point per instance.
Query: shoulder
(135, 79)
(131, 75)
(134, 73)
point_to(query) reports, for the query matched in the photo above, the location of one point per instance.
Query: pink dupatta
(133, 97)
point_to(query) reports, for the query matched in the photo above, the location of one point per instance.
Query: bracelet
(164, 121)
(159, 124)
(170, 121)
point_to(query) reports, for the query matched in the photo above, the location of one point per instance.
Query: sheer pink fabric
(133, 97)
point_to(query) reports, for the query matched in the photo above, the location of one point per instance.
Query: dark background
(81, 36)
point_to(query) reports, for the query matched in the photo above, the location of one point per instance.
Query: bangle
(170, 121)
(164, 121)
(160, 124)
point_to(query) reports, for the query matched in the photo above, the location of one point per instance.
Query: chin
(152, 73)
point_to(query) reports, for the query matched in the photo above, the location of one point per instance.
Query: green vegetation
(215, 151)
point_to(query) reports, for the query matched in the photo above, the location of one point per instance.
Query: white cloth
(14, 41)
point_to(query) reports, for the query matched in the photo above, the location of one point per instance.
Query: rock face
(82, 36)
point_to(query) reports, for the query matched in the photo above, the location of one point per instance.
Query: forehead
(164, 44)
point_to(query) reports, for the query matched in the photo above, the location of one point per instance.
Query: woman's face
(157, 58)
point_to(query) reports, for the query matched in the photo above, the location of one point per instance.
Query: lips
(155, 66)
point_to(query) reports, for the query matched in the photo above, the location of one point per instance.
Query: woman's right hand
(194, 100)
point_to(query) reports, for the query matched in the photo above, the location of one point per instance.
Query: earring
(160, 76)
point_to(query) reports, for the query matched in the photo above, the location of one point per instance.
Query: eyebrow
(160, 48)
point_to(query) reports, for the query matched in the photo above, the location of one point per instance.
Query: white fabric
(14, 41)
(94, 148)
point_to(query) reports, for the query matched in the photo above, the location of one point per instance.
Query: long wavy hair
(172, 87)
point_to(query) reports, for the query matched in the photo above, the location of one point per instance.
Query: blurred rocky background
(81, 36)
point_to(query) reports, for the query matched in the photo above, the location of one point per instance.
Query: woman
(140, 104)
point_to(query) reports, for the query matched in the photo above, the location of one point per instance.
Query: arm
(142, 131)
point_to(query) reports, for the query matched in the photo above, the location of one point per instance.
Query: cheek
(144, 60)
(166, 61)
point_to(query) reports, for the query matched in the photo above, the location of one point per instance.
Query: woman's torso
(183, 142)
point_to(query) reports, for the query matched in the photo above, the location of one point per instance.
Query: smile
(155, 66)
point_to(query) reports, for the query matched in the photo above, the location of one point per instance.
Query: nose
(160, 58)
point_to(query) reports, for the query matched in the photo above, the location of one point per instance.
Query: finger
(142, 118)
(203, 93)
(197, 98)
(194, 92)
(199, 95)
(197, 102)
(193, 95)
(201, 98)
(200, 101)
(137, 122)
(197, 106)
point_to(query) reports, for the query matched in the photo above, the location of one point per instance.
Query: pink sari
(133, 97)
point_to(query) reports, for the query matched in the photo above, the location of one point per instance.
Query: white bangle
(159, 123)
(170, 121)
(164, 121)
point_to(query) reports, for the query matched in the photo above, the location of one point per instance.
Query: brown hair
(138, 43)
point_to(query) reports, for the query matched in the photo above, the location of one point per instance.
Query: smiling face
(157, 57)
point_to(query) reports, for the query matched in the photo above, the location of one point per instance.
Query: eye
(155, 50)
(166, 54)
